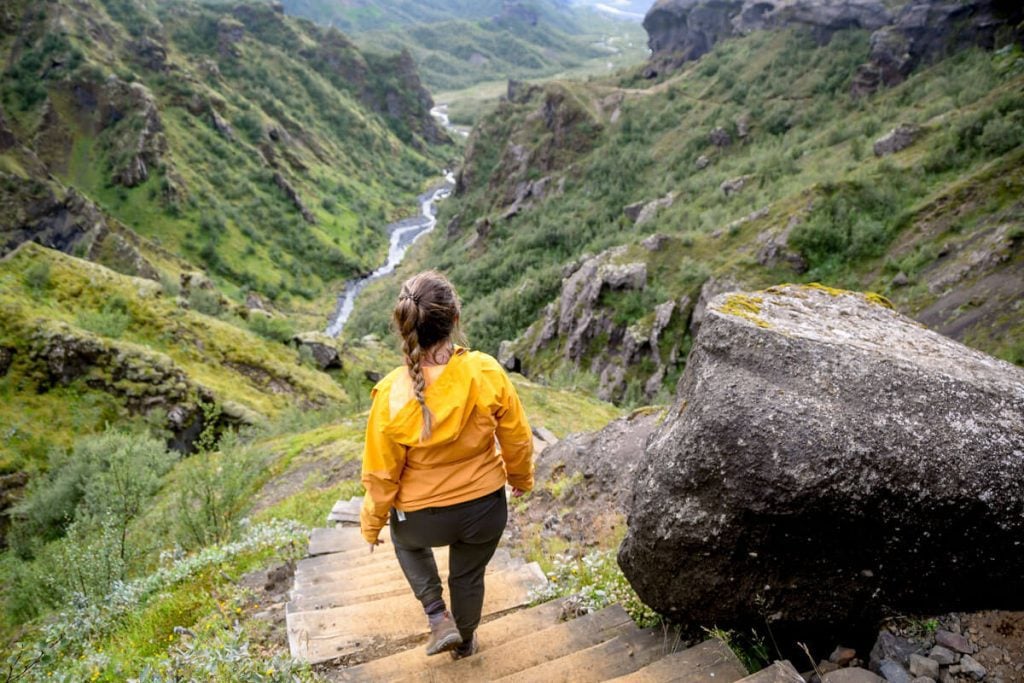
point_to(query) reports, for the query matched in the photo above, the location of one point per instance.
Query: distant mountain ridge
(458, 43)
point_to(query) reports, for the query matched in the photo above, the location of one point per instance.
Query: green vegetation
(839, 214)
(133, 354)
(272, 151)
(457, 46)
(157, 542)
(751, 650)
(596, 582)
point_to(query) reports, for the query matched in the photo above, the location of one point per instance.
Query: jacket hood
(450, 398)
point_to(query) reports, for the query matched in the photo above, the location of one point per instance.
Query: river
(402, 236)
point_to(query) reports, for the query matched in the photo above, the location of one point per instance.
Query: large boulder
(826, 459)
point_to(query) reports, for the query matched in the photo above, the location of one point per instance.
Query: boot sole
(449, 642)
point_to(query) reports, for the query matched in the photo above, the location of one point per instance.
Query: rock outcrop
(896, 140)
(925, 30)
(144, 381)
(131, 110)
(586, 332)
(826, 457)
(600, 466)
(919, 31)
(551, 114)
(293, 197)
(322, 349)
(683, 30)
(825, 17)
(61, 218)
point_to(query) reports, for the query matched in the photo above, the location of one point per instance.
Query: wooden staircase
(348, 603)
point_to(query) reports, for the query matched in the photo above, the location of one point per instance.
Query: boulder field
(828, 460)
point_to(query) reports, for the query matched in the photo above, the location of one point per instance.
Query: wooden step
(381, 553)
(363, 568)
(323, 540)
(632, 649)
(320, 635)
(709, 662)
(346, 511)
(358, 573)
(490, 635)
(337, 563)
(531, 650)
(354, 562)
(776, 672)
(338, 595)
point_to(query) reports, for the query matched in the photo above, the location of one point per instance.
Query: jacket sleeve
(515, 436)
(383, 461)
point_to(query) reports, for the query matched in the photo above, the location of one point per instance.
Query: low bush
(595, 581)
(852, 221)
(112, 320)
(273, 328)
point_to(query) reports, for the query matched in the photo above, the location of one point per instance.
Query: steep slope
(593, 220)
(82, 346)
(204, 177)
(260, 147)
(459, 44)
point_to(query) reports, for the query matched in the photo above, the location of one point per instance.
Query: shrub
(206, 301)
(110, 321)
(595, 581)
(225, 655)
(273, 328)
(109, 475)
(62, 648)
(215, 489)
(851, 222)
(37, 277)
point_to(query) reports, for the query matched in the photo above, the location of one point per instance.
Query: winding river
(403, 234)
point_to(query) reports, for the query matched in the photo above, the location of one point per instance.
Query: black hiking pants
(471, 530)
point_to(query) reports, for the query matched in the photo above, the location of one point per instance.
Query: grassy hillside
(264, 149)
(88, 346)
(183, 593)
(457, 45)
(796, 195)
(183, 188)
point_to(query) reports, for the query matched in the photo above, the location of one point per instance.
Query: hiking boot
(444, 635)
(464, 650)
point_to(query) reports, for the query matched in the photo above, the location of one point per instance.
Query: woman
(430, 461)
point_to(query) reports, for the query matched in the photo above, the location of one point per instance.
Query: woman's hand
(374, 545)
(517, 493)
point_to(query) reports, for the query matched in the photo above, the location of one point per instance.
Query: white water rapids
(403, 234)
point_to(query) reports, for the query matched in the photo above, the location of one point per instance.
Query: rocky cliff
(917, 32)
(827, 458)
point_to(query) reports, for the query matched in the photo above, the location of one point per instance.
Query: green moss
(163, 351)
(563, 411)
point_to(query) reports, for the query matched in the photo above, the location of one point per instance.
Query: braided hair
(426, 315)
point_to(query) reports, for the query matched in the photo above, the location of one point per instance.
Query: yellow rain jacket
(472, 402)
